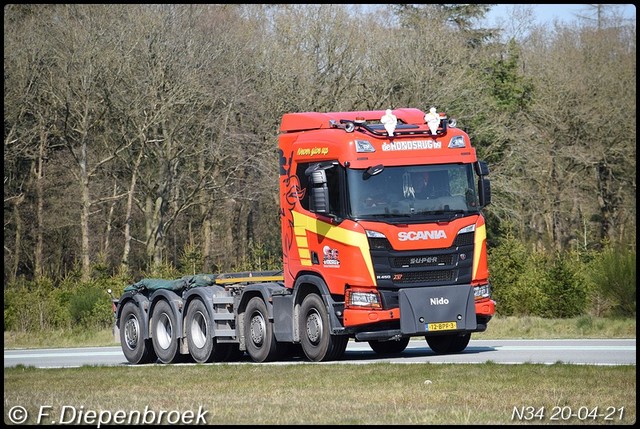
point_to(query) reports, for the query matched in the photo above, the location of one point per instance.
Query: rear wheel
(136, 349)
(446, 344)
(165, 335)
(199, 336)
(315, 334)
(258, 331)
(389, 347)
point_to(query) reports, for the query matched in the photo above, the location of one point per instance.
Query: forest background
(140, 141)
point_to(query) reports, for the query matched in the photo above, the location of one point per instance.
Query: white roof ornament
(389, 120)
(433, 120)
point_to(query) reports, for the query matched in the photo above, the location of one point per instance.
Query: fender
(332, 306)
(175, 302)
(206, 294)
(142, 302)
(266, 290)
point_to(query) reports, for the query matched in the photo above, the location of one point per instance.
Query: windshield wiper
(453, 213)
(390, 215)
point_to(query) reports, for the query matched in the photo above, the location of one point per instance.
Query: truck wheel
(199, 339)
(315, 335)
(389, 347)
(445, 344)
(258, 331)
(165, 335)
(135, 348)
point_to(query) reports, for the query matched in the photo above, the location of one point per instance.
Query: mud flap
(430, 309)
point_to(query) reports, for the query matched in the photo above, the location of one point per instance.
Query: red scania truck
(383, 240)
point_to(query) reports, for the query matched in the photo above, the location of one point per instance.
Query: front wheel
(389, 347)
(164, 327)
(315, 333)
(136, 349)
(446, 344)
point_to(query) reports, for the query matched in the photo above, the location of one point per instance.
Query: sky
(546, 13)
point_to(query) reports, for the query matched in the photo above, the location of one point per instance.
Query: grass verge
(326, 394)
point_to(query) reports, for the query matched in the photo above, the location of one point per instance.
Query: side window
(333, 184)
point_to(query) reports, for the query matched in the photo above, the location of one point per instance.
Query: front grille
(464, 240)
(421, 261)
(418, 268)
(424, 276)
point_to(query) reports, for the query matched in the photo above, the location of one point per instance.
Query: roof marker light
(347, 126)
(456, 142)
(363, 146)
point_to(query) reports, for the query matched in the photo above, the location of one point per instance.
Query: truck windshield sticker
(411, 145)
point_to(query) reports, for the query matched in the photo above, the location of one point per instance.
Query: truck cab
(385, 224)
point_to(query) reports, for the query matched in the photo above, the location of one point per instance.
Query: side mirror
(482, 168)
(484, 191)
(319, 197)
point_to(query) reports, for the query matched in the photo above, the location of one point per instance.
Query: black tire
(198, 329)
(341, 342)
(164, 332)
(315, 333)
(136, 349)
(389, 347)
(448, 344)
(258, 332)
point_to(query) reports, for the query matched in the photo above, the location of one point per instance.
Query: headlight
(374, 234)
(362, 299)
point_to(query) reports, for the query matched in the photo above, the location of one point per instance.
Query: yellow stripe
(250, 279)
(341, 235)
(302, 241)
(304, 253)
(299, 231)
(481, 235)
(305, 262)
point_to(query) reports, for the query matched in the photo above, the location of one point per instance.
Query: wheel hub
(199, 330)
(131, 330)
(257, 329)
(314, 327)
(164, 332)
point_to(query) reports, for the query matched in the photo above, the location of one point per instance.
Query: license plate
(442, 326)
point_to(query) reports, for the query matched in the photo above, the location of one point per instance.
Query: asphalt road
(582, 351)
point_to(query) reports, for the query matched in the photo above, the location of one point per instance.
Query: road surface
(583, 352)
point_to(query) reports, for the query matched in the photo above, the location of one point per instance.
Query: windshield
(412, 191)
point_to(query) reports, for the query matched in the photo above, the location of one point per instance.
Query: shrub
(613, 276)
(566, 293)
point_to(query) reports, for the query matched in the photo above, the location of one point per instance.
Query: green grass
(539, 328)
(499, 328)
(336, 393)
